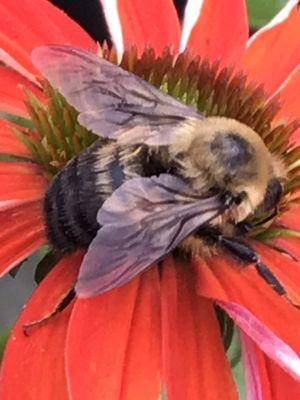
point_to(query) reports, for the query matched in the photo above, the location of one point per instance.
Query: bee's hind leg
(63, 303)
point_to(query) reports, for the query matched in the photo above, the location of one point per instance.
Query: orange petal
(24, 25)
(33, 366)
(9, 142)
(114, 342)
(194, 361)
(11, 92)
(220, 31)
(149, 22)
(274, 51)
(223, 279)
(22, 233)
(20, 182)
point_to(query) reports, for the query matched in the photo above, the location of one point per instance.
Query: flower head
(160, 331)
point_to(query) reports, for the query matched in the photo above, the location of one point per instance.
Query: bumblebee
(161, 175)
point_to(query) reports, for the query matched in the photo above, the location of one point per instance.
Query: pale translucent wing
(112, 102)
(142, 221)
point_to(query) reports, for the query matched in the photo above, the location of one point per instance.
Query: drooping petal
(274, 51)
(275, 383)
(11, 92)
(22, 232)
(256, 378)
(223, 279)
(216, 30)
(268, 342)
(194, 361)
(20, 182)
(142, 22)
(9, 142)
(33, 365)
(114, 342)
(25, 25)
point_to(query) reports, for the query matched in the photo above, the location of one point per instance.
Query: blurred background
(15, 290)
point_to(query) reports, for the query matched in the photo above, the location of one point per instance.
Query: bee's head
(225, 154)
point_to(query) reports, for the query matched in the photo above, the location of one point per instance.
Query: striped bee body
(78, 191)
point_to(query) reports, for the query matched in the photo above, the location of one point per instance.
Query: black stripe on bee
(70, 224)
(71, 204)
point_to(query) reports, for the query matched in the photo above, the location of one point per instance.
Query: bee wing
(142, 221)
(112, 102)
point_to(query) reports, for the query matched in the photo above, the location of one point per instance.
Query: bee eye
(272, 196)
(233, 198)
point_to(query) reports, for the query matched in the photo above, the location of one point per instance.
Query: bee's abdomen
(78, 191)
(73, 199)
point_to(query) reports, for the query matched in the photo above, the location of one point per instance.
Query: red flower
(158, 331)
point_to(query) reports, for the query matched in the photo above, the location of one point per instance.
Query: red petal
(288, 93)
(286, 270)
(114, 342)
(224, 280)
(283, 266)
(274, 51)
(194, 361)
(25, 25)
(291, 218)
(22, 233)
(281, 384)
(9, 142)
(149, 22)
(33, 366)
(221, 31)
(289, 244)
(11, 92)
(20, 182)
